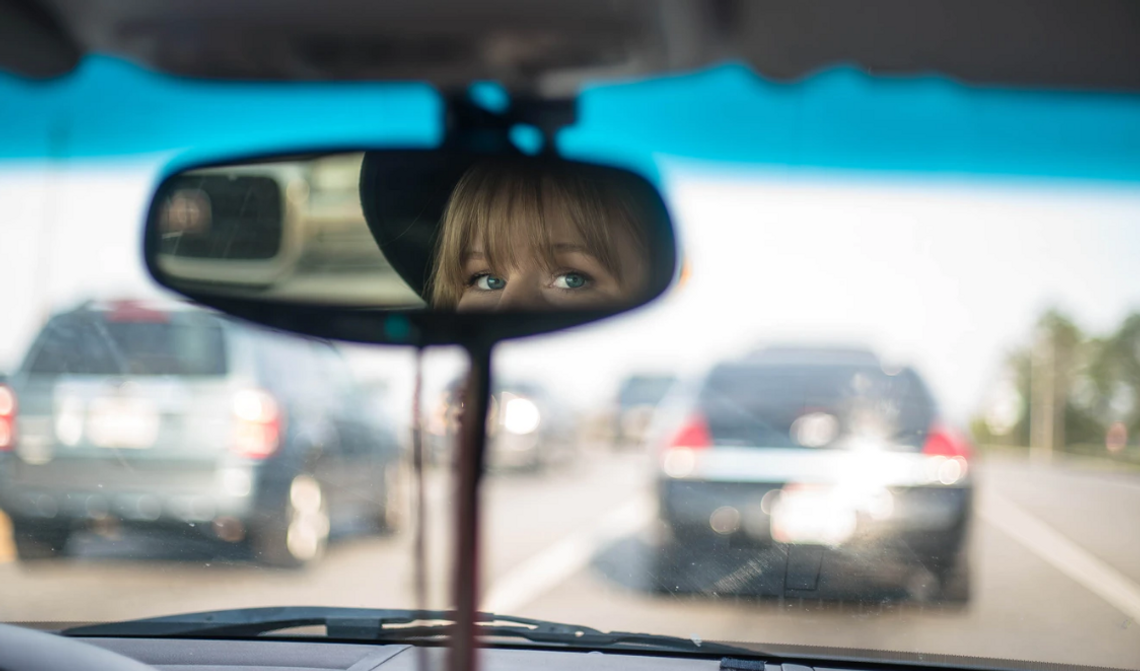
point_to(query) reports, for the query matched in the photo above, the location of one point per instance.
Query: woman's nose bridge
(522, 291)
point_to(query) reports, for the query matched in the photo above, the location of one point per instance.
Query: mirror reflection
(287, 230)
(414, 230)
(565, 236)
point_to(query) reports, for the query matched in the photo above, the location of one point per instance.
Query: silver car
(166, 416)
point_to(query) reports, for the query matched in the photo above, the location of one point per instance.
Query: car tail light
(694, 434)
(679, 459)
(136, 311)
(257, 432)
(942, 441)
(948, 453)
(7, 418)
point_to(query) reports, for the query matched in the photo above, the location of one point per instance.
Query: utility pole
(1042, 397)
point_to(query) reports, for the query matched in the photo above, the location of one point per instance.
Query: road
(1056, 571)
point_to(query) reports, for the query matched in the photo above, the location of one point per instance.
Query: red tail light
(7, 418)
(679, 458)
(258, 422)
(693, 434)
(943, 441)
(136, 311)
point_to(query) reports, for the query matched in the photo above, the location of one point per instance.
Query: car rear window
(243, 219)
(758, 405)
(644, 391)
(92, 344)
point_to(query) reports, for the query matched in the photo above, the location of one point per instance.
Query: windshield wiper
(393, 626)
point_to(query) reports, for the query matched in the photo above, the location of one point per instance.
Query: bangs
(509, 221)
(517, 213)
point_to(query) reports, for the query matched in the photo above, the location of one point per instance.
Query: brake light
(7, 418)
(258, 422)
(694, 434)
(679, 459)
(943, 441)
(136, 311)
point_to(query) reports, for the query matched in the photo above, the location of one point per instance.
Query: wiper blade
(249, 622)
(569, 636)
(392, 626)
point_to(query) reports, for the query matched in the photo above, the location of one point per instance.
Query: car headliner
(550, 47)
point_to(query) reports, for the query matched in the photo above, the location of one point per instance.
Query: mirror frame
(415, 327)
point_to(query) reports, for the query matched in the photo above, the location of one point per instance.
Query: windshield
(885, 406)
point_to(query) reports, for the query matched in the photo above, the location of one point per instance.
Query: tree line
(1065, 387)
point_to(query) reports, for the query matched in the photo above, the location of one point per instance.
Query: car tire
(297, 535)
(665, 576)
(672, 560)
(954, 580)
(36, 541)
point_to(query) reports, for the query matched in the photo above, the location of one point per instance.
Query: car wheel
(664, 576)
(39, 540)
(954, 580)
(943, 577)
(298, 534)
(671, 560)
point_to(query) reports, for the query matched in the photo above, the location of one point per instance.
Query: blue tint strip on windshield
(109, 107)
(846, 119)
(842, 119)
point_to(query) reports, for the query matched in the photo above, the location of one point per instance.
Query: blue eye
(487, 282)
(571, 281)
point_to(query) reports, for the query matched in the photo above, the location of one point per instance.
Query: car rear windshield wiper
(393, 626)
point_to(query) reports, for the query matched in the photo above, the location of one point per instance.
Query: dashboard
(225, 655)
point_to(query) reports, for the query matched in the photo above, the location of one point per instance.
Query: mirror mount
(477, 128)
(470, 461)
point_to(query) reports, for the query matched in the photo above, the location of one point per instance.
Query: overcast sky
(946, 275)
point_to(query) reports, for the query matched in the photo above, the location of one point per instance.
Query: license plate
(129, 423)
(812, 516)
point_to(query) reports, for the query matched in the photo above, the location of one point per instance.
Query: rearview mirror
(413, 247)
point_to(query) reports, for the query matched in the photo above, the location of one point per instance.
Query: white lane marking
(545, 570)
(1062, 553)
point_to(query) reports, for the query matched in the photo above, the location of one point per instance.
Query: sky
(943, 273)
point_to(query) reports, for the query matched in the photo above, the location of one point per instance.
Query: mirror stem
(469, 471)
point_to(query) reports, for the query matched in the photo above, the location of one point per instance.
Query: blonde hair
(503, 207)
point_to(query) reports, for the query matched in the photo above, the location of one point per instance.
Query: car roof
(140, 305)
(550, 47)
(791, 355)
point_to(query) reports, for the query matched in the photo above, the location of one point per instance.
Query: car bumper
(923, 538)
(691, 506)
(136, 492)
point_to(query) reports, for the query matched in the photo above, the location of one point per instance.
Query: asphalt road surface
(1056, 569)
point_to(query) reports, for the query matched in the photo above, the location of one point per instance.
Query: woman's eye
(488, 282)
(571, 281)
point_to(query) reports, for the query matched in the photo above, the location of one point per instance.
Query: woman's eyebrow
(473, 256)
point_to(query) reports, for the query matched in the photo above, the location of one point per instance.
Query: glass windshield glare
(877, 411)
